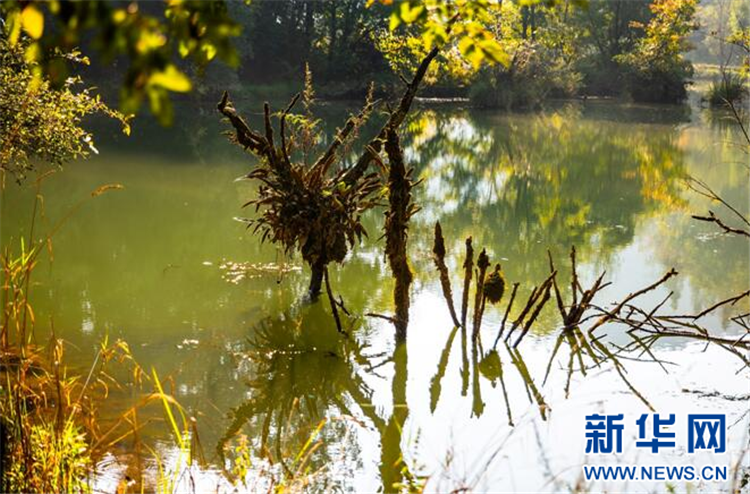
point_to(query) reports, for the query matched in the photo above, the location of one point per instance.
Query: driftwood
(483, 262)
(574, 313)
(302, 207)
(712, 218)
(534, 314)
(540, 292)
(507, 312)
(438, 250)
(396, 118)
(609, 315)
(401, 208)
(468, 269)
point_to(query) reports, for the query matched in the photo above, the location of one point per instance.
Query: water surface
(163, 265)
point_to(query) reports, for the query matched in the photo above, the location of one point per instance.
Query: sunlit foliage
(39, 123)
(656, 68)
(148, 37)
(462, 20)
(543, 47)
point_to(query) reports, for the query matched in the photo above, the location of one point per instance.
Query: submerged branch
(468, 270)
(616, 311)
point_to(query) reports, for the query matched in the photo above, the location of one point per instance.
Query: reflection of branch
(390, 319)
(468, 269)
(332, 300)
(531, 388)
(435, 384)
(735, 113)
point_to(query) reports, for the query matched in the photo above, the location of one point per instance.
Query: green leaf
(492, 50)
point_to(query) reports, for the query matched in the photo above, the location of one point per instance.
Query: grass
(53, 431)
(50, 420)
(729, 88)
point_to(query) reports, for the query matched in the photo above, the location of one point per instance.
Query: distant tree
(605, 30)
(542, 58)
(334, 37)
(656, 68)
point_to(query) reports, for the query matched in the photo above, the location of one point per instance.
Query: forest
(372, 245)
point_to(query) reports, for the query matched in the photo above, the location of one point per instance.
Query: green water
(163, 265)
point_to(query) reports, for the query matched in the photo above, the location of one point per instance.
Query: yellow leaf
(119, 16)
(150, 40)
(33, 21)
(394, 21)
(495, 52)
(209, 50)
(14, 27)
(410, 15)
(171, 79)
(183, 48)
(32, 53)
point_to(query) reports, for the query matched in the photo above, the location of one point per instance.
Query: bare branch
(712, 218)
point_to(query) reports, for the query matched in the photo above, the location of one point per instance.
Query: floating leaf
(104, 188)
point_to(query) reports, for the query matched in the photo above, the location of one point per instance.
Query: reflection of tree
(301, 370)
(393, 468)
(534, 181)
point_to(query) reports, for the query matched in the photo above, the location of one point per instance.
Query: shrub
(39, 121)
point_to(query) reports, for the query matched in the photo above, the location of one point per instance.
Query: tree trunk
(309, 26)
(316, 280)
(333, 28)
(396, 227)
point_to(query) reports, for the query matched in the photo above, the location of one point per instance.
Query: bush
(39, 122)
(52, 461)
(659, 84)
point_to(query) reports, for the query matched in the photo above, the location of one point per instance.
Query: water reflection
(539, 180)
(299, 370)
(303, 375)
(603, 177)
